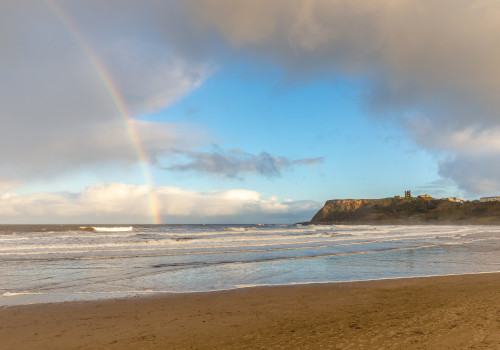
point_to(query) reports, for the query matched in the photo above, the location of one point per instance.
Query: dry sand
(452, 312)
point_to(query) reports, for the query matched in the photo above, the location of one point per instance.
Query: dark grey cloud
(57, 111)
(405, 51)
(417, 62)
(235, 162)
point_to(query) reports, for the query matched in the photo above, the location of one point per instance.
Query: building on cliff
(425, 196)
(452, 199)
(490, 199)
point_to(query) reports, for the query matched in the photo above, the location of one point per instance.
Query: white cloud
(125, 203)
(467, 138)
(6, 186)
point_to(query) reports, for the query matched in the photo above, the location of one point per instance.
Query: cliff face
(344, 210)
(401, 211)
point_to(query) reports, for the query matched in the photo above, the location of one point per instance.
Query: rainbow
(118, 102)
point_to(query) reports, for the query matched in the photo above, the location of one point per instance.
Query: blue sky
(362, 157)
(248, 111)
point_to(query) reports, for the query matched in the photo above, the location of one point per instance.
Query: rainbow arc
(120, 105)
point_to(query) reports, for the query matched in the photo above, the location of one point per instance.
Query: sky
(249, 111)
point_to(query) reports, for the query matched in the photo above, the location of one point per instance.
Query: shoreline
(121, 295)
(455, 312)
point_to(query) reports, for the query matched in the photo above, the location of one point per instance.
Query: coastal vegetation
(398, 210)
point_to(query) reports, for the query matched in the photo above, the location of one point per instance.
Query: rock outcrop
(407, 211)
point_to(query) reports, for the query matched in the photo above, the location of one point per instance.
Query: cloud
(406, 51)
(70, 70)
(478, 174)
(45, 154)
(235, 162)
(417, 62)
(467, 155)
(68, 81)
(471, 157)
(125, 203)
(466, 140)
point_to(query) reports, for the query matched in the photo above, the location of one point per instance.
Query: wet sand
(451, 312)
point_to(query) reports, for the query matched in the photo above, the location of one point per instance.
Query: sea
(56, 263)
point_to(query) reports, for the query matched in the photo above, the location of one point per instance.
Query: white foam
(113, 229)
(236, 229)
(338, 235)
(10, 294)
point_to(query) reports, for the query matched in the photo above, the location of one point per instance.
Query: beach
(446, 312)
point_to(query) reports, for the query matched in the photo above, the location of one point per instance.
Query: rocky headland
(400, 210)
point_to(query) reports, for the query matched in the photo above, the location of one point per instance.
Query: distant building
(425, 196)
(452, 199)
(408, 194)
(490, 199)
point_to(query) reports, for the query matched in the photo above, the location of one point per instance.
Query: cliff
(407, 211)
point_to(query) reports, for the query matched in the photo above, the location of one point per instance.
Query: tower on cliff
(408, 194)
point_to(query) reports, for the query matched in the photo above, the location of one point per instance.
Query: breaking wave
(107, 229)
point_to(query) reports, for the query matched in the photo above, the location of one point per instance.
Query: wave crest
(112, 229)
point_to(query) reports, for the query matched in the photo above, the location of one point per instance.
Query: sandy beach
(450, 312)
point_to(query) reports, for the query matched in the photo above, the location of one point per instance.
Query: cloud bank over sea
(118, 202)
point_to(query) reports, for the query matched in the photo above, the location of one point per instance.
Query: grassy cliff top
(407, 211)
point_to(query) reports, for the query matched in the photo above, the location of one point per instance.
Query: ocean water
(51, 263)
